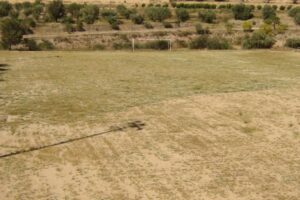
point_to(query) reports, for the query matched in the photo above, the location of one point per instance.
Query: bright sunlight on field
(218, 125)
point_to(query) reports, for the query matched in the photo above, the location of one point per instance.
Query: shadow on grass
(3, 69)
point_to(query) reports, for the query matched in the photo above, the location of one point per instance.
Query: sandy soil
(242, 145)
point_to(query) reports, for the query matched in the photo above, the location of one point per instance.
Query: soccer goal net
(151, 43)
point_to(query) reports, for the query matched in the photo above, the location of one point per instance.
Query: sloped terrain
(227, 129)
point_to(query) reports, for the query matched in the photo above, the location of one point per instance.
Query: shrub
(121, 45)
(31, 45)
(157, 45)
(11, 32)
(207, 16)
(293, 43)
(98, 47)
(282, 8)
(69, 27)
(74, 9)
(148, 25)
(259, 40)
(275, 7)
(37, 10)
(182, 14)
(200, 30)
(247, 26)
(199, 42)
(229, 27)
(108, 13)
(5, 8)
(56, 10)
(125, 12)
(79, 26)
(218, 43)
(297, 18)
(242, 12)
(259, 7)
(158, 13)
(89, 13)
(268, 12)
(45, 45)
(167, 25)
(289, 7)
(137, 18)
(293, 12)
(266, 28)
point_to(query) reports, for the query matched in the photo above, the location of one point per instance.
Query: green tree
(12, 32)
(158, 13)
(137, 18)
(259, 40)
(5, 8)
(242, 12)
(74, 9)
(207, 16)
(89, 13)
(268, 12)
(56, 10)
(182, 14)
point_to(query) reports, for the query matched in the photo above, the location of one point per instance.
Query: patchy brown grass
(219, 125)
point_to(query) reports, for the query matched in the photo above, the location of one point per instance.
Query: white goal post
(133, 42)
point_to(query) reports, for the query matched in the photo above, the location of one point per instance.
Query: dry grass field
(218, 125)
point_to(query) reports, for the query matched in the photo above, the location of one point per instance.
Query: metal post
(132, 44)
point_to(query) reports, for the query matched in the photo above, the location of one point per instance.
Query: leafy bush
(148, 25)
(98, 47)
(293, 43)
(74, 9)
(124, 11)
(259, 7)
(69, 27)
(37, 10)
(199, 42)
(268, 12)
(11, 32)
(297, 18)
(45, 45)
(31, 45)
(282, 8)
(293, 12)
(121, 45)
(247, 26)
(259, 40)
(5, 8)
(218, 43)
(114, 22)
(56, 10)
(207, 16)
(157, 45)
(79, 26)
(167, 25)
(204, 41)
(242, 12)
(137, 18)
(182, 14)
(158, 13)
(89, 13)
(108, 13)
(201, 30)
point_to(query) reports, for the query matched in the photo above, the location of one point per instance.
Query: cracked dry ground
(243, 145)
